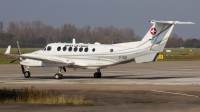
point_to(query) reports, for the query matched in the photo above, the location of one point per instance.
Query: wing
(46, 58)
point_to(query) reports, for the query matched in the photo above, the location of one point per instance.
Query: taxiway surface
(167, 73)
(160, 86)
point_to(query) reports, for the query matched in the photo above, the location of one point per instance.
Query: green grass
(35, 96)
(4, 59)
(177, 54)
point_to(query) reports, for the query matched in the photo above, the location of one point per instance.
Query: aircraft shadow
(105, 77)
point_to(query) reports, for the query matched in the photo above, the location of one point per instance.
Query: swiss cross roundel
(153, 31)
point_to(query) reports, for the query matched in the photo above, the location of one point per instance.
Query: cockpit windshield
(48, 48)
(44, 49)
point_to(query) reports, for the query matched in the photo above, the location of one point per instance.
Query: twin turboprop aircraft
(97, 56)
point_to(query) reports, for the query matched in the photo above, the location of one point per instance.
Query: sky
(119, 13)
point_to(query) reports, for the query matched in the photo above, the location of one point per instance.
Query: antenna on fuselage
(73, 41)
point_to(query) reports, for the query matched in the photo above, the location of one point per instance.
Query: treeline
(38, 34)
(175, 41)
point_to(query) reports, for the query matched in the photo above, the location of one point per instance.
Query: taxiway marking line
(174, 93)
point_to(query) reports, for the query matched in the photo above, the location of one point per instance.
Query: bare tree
(1, 26)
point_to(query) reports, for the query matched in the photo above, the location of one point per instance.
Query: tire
(58, 76)
(97, 75)
(27, 74)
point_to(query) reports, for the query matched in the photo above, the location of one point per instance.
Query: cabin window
(75, 49)
(58, 49)
(86, 49)
(111, 50)
(93, 49)
(81, 49)
(64, 48)
(70, 49)
(48, 48)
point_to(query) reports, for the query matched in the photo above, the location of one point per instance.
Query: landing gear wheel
(27, 74)
(58, 76)
(97, 75)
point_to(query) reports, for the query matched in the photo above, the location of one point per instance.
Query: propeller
(14, 60)
(18, 47)
(19, 52)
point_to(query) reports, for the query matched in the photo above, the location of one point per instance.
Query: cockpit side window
(48, 48)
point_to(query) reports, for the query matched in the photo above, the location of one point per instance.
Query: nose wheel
(97, 74)
(27, 74)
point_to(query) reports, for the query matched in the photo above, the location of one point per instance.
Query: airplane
(58, 56)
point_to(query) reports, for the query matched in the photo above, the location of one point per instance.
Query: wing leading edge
(47, 59)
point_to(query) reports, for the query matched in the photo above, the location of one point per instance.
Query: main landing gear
(97, 74)
(59, 74)
(27, 74)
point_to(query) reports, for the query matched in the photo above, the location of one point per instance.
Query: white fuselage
(90, 56)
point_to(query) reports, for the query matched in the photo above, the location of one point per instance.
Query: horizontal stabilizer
(171, 22)
(146, 58)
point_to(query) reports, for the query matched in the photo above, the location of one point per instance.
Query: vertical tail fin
(155, 40)
(157, 36)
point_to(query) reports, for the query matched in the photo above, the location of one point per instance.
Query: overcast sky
(120, 13)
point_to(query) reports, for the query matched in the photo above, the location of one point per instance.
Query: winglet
(8, 50)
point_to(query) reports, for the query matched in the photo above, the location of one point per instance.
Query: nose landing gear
(26, 73)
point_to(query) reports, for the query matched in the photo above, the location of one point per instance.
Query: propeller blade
(14, 60)
(18, 47)
(22, 67)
